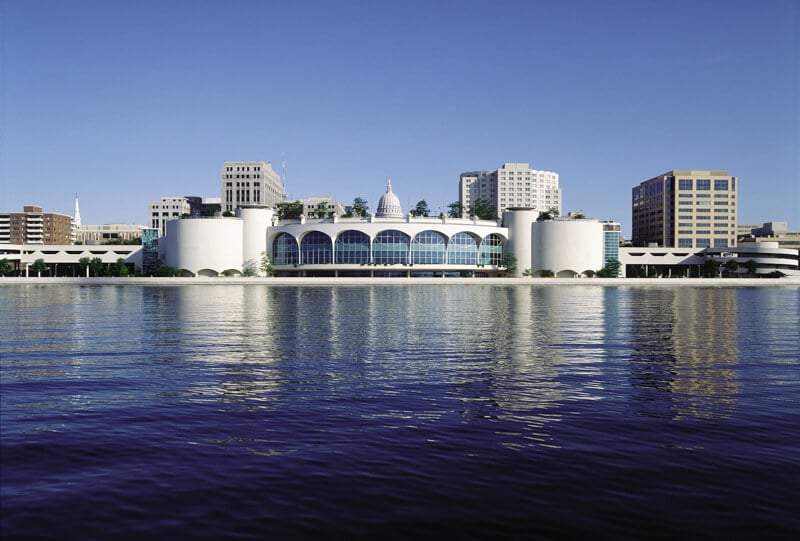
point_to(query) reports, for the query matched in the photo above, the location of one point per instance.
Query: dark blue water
(478, 412)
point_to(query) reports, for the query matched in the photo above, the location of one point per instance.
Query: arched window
(462, 250)
(390, 247)
(284, 250)
(352, 247)
(316, 248)
(428, 247)
(491, 250)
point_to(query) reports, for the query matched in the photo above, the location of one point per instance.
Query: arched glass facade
(352, 247)
(284, 250)
(316, 248)
(390, 247)
(428, 247)
(462, 250)
(491, 250)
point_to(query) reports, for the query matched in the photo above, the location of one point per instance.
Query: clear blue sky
(125, 102)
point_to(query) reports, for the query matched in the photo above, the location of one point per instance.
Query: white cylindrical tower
(202, 246)
(255, 221)
(519, 222)
(567, 247)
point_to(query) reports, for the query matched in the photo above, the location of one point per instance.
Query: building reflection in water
(684, 354)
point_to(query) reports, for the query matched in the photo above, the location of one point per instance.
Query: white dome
(389, 204)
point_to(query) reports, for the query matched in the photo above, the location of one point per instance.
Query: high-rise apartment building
(685, 209)
(32, 226)
(168, 208)
(250, 183)
(512, 185)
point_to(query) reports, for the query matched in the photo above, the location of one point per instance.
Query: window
(284, 250)
(685, 184)
(703, 243)
(352, 247)
(491, 250)
(684, 243)
(316, 248)
(685, 195)
(721, 184)
(428, 247)
(462, 250)
(720, 243)
(390, 247)
(720, 232)
(703, 183)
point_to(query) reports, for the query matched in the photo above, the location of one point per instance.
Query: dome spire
(389, 204)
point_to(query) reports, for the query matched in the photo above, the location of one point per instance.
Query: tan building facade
(246, 184)
(686, 209)
(33, 226)
(512, 185)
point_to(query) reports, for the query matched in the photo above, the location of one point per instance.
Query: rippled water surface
(478, 412)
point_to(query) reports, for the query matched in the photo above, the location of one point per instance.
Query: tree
(360, 207)
(731, 266)
(610, 270)
(266, 265)
(289, 211)
(121, 268)
(548, 214)
(228, 214)
(511, 264)
(39, 267)
(421, 209)
(711, 268)
(323, 211)
(84, 264)
(484, 210)
(527, 273)
(546, 273)
(751, 266)
(5, 267)
(455, 210)
(96, 266)
(249, 269)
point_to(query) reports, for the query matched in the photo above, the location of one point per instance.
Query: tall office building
(168, 208)
(32, 226)
(250, 183)
(512, 185)
(685, 209)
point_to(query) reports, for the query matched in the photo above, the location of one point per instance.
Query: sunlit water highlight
(399, 412)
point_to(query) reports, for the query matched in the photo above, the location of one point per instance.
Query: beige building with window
(513, 185)
(685, 209)
(246, 184)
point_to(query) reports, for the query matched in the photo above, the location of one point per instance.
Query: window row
(389, 247)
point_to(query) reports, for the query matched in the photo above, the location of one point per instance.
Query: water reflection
(684, 355)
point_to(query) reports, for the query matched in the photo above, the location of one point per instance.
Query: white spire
(77, 216)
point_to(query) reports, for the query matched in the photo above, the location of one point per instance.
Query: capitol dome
(389, 204)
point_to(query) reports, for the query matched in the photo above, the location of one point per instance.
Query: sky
(126, 102)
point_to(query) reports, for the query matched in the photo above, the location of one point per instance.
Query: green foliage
(548, 214)
(751, 266)
(484, 210)
(39, 266)
(527, 273)
(547, 273)
(711, 268)
(165, 271)
(611, 269)
(731, 266)
(421, 209)
(455, 210)
(229, 214)
(289, 210)
(266, 265)
(360, 207)
(5, 267)
(511, 264)
(249, 269)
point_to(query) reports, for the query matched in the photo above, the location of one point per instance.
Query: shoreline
(323, 281)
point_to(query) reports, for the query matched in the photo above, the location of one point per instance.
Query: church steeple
(76, 217)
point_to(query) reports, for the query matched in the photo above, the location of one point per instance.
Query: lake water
(400, 411)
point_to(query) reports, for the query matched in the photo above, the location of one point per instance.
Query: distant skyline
(127, 102)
